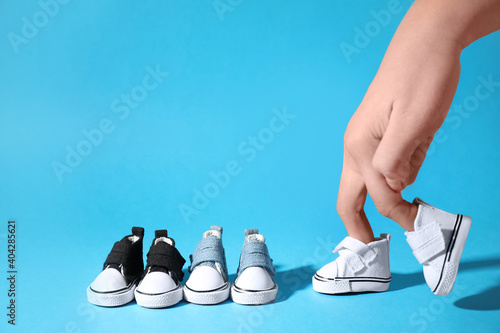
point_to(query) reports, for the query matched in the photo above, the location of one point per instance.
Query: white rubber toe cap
(205, 278)
(156, 283)
(431, 275)
(330, 270)
(254, 278)
(108, 280)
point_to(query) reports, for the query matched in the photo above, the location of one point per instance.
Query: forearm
(455, 21)
(427, 47)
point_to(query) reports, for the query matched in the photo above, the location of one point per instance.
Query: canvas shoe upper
(160, 285)
(360, 267)
(437, 243)
(116, 283)
(254, 283)
(208, 282)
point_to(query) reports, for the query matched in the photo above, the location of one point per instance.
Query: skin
(387, 138)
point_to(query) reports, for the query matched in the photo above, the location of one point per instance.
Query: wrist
(459, 22)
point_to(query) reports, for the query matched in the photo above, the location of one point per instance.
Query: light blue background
(226, 76)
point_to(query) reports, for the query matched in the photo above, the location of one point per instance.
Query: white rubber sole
(333, 286)
(111, 299)
(156, 301)
(453, 255)
(207, 297)
(253, 297)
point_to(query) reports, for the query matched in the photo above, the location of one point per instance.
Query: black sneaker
(121, 273)
(160, 285)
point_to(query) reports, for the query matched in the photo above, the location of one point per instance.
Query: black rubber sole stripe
(354, 279)
(241, 290)
(208, 291)
(449, 251)
(361, 278)
(119, 291)
(149, 294)
(455, 238)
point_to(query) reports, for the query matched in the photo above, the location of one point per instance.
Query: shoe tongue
(211, 233)
(138, 231)
(167, 240)
(423, 216)
(255, 238)
(161, 233)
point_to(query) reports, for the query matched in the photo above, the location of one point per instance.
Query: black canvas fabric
(162, 233)
(165, 257)
(128, 254)
(138, 231)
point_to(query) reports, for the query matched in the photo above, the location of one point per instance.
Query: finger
(393, 156)
(389, 203)
(351, 200)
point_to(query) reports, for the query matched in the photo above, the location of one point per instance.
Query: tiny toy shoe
(208, 282)
(122, 270)
(359, 268)
(159, 287)
(438, 242)
(254, 283)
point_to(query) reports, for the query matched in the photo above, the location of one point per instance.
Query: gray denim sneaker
(254, 282)
(208, 282)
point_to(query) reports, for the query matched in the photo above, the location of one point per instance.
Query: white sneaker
(121, 273)
(438, 242)
(160, 285)
(208, 282)
(254, 283)
(359, 268)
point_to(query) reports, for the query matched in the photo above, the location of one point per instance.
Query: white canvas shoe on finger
(438, 242)
(359, 268)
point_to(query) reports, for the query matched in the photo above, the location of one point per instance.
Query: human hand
(388, 136)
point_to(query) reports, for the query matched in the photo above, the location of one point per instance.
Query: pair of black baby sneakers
(124, 278)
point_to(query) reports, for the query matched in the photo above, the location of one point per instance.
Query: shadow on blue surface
(288, 281)
(405, 280)
(291, 280)
(486, 300)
